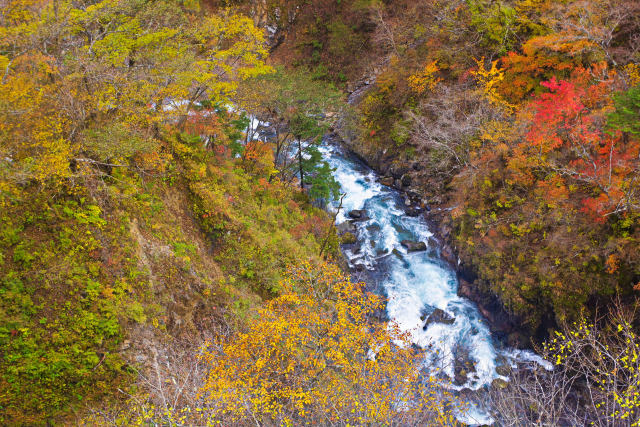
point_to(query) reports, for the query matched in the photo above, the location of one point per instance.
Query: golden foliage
(316, 353)
(488, 81)
(135, 64)
(425, 80)
(633, 72)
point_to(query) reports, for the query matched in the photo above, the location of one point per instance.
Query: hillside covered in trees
(167, 254)
(519, 116)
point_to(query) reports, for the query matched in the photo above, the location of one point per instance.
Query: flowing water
(416, 283)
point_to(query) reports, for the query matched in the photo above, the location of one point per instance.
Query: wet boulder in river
(424, 313)
(373, 228)
(358, 214)
(412, 246)
(463, 365)
(439, 316)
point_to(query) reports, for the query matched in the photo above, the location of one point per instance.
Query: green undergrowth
(85, 266)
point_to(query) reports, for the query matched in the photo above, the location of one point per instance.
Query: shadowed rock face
(387, 180)
(413, 211)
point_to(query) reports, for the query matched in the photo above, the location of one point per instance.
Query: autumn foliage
(317, 354)
(520, 116)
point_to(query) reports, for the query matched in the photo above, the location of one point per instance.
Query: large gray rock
(412, 246)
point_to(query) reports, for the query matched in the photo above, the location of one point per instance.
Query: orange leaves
(612, 264)
(553, 191)
(558, 42)
(539, 61)
(257, 158)
(205, 122)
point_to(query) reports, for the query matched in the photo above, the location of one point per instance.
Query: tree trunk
(300, 163)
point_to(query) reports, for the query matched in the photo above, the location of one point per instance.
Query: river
(417, 283)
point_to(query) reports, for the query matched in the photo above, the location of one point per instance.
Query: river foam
(417, 283)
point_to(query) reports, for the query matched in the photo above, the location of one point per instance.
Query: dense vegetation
(133, 207)
(522, 117)
(142, 215)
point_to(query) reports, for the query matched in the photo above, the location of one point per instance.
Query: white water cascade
(417, 283)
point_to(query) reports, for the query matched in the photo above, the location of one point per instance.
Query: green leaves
(495, 21)
(626, 116)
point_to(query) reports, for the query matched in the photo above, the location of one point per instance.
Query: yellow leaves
(4, 65)
(488, 80)
(425, 79)
(633, 73)
(310, 353)
(135, 64)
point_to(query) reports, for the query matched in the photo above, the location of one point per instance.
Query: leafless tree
(445, 124)
(595, 378)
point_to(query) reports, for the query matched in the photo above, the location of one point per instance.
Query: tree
(592, 378)
(297, 107)
(89, 91)
(73, 69)
(565, 138)
(626, 116)
(315, 354)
